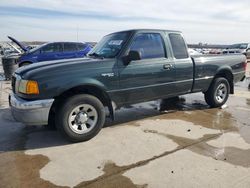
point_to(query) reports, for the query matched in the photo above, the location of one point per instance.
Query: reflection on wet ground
(21, 170)
(109, 180)
(201, 147)
(243, 86)
(190, 108)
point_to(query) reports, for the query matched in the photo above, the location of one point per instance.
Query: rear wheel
(218, 92)
(80, 118)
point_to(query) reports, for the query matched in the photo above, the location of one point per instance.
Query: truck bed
(207, 66)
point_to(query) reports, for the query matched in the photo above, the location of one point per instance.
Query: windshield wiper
(95, 55)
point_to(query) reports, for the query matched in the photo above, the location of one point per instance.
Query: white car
(193, 52)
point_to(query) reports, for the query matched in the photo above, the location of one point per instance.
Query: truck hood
(56, 64)
(24, 48)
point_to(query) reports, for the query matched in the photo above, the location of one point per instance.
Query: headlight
(28, 87)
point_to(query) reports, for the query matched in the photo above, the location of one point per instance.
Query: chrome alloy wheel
(82, 119)
(221, 93)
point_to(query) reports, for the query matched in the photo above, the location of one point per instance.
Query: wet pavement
(170, 143)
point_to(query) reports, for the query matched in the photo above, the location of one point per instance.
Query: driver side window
(149, 45)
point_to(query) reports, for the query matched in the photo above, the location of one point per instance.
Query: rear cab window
(149, 45)
(178, 45)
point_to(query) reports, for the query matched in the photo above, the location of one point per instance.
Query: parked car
(1, 51)
(51, 51)
(239, 48)
(215, 51)
(124, 68)
(242, 46)
(193, 52)
(231, 51)
(8, 49)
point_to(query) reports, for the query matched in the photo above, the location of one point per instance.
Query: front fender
(93, 87)
(82, 82)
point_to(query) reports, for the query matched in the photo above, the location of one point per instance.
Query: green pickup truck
(124, 68)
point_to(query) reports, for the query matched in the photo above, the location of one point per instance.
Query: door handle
(167, 66)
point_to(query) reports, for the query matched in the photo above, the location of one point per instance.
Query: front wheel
(218, 93)
(80, 118)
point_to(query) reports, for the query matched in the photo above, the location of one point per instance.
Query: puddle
(172, 104)
(183, 141)
(239, 109)
(20, 170)
(16, 168)
(242, 86)
(191, 109)
(112, 178)
(232, 155)
(211, 118)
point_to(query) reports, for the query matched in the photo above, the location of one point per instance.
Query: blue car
(51, 51)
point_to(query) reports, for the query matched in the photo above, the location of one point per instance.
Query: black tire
(65, 110)
(213, 97)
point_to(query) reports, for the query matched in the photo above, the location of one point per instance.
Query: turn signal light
(28, 87)
(32, 87)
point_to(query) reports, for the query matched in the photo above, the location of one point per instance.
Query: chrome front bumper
(30, 112)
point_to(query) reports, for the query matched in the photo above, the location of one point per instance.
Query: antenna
(77, 28)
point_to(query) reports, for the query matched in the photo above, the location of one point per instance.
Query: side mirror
(132, 56)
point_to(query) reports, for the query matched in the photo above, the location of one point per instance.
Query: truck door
(152, 76)
(183, 64)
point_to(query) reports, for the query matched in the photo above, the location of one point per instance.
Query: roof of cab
(149, 30)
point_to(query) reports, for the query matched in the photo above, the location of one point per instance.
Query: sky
(207, 21)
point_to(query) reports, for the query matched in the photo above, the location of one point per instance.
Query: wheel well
(28, 62)
(86, 89)
(229, 76)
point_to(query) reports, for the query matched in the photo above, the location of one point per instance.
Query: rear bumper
(239, 76)
(30, 112)
(243, 78)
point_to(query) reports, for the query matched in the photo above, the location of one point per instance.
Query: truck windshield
(110, 45)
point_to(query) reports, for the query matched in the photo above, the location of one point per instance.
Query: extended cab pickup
(124, 68)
